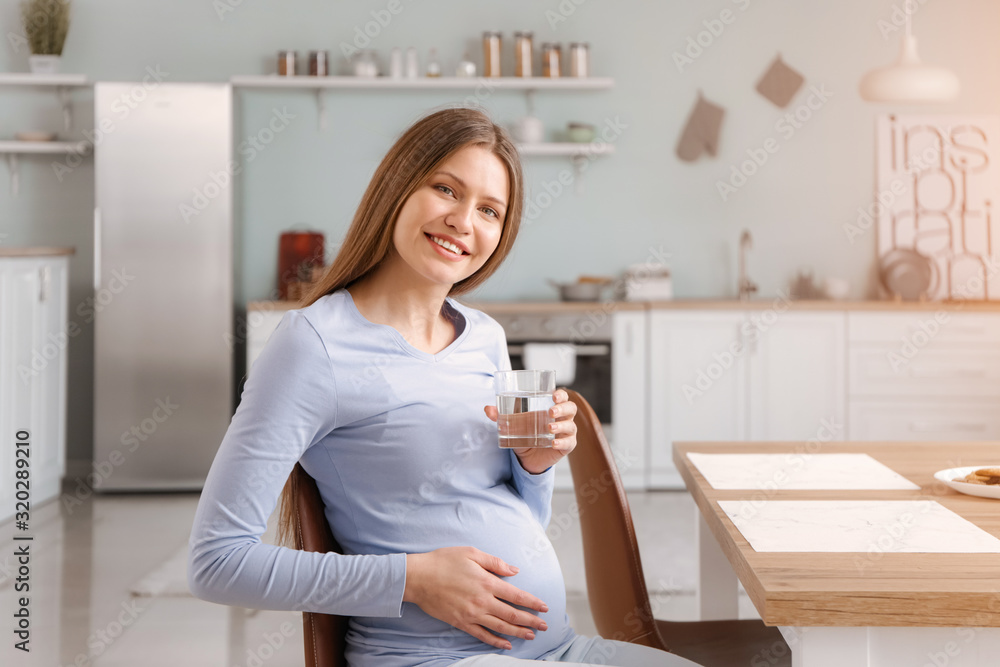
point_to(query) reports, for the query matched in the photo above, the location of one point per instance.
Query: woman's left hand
(539, 459)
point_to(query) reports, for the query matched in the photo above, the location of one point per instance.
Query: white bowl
(982, 490)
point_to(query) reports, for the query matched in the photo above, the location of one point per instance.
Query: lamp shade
(909, 80)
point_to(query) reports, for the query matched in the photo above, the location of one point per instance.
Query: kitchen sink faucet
(746, 286)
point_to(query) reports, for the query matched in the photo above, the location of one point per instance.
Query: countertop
(36, 251)
(777, 303)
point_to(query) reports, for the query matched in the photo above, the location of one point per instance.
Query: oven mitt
(701, 133)
(780, 83)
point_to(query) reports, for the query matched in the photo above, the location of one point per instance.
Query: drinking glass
(523, 402)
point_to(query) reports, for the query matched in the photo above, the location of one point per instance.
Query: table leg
(718, 598)
(893, 647)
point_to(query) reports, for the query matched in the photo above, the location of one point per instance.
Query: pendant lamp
(908, 79)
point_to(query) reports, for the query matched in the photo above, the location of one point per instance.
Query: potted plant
(46, 23)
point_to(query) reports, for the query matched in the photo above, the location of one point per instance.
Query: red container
(298, 254)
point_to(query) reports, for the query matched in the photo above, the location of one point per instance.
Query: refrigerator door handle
(97, 249)
(43, 283)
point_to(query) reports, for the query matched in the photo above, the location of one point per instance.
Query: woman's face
(461, 207)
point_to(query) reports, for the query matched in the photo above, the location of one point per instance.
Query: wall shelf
(14, 148)
(425, 83)
(320, 84)
(579, 152)
(44, 146)
(26, 79)
(566, 149)
(61, 82)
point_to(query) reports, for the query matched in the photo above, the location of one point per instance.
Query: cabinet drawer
(884, 370)
(924, 422)
(924, 328)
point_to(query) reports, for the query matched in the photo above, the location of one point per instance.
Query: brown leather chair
(324, 633)
(616, 587)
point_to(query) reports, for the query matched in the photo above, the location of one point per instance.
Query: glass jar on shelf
(396, 63)
(319, 63)
(523, 53)
(433, 66)
(365, 64)
(412, 63)
(579, 59)
(491, 53)
(286, 63)
(466, 68)
(551, 59)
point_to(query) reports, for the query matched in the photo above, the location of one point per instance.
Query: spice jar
(412, 63)
(579, 59)
(396, 63)
(319, 63)
(466, 68)
(286, 63)
(365, 64)
(551, 59)
(491, 53)
(433, 66)
(523, 54)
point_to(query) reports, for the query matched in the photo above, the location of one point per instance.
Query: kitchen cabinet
(798, 378)
(742, 375)
(33, 349)
(697, 384)
(629, 397)
(924, 375)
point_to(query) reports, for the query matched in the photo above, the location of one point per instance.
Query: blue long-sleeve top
(406, 461)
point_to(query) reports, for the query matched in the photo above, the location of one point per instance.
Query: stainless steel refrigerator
(163, 283)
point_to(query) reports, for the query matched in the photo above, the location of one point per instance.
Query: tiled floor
(86, 558)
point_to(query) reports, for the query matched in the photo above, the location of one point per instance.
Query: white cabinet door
(49, 353)
(33, 348)
(20, 329)
(630, 394)
(698, 388)
(797, 376)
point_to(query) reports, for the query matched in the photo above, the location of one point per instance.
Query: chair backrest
(324, 633)
(616, 587)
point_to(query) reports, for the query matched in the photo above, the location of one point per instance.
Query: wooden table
(872, 609)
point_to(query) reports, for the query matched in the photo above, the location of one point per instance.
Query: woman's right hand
(461, 586)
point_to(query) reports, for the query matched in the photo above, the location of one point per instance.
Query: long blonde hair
(408, 164)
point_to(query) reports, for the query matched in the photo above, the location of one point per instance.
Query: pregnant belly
(540, 574)
(518, 540)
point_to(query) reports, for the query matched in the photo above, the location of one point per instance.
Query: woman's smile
(446, 248)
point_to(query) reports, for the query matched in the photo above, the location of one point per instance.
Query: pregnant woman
(380, 385)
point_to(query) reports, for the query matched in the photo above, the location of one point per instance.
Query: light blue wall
(639, 198)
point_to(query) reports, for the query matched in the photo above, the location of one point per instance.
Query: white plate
(982, 490)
